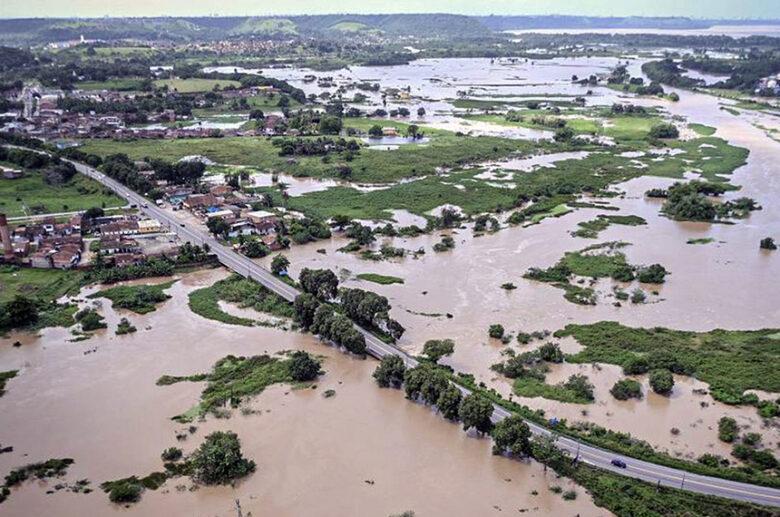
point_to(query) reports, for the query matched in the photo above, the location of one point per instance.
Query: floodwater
(96, 400)
(365, 451)
(724, 284)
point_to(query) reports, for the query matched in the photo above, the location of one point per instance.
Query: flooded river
(97, 401)
(365, 451)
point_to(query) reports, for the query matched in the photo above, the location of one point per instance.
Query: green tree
(448, 403)
(19, 312)
(551, 352)
(219, 461)
(546, 452)
(329, 125)
(375, 131)
(279, 263)
(435, 349)
(475, 411)
(420, 112)
(412, 131)
(425, 382)
(322, 283)
(767, 243)
(496, 331)
(580, 385)
(512, 434)
(661, 381)
(390, 372)
(652, 274)
(218, 226)
(302, 366)
(305, 306)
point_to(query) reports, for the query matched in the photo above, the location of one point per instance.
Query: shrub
(664, 130)
(496, 331)
(435, 349)
(652, 274)
(728, 430)
(171, 454)
(551, 352)
(125, 492)
(625, 389)
(219, 461)
(302, 366)
(661, 381)
(767, 243)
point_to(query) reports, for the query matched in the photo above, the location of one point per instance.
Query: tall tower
(5, 237)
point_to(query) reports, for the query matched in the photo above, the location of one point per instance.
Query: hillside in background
(21, 32)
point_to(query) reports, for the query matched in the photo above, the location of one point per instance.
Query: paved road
(592, 455)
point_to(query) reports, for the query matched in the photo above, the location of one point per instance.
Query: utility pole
(682, 483)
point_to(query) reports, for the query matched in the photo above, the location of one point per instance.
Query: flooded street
(96, 401)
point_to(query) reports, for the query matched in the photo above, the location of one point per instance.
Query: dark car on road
(619, 463)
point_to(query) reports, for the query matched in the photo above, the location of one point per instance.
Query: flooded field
(96, 401)
(369, 451)
(719, 285)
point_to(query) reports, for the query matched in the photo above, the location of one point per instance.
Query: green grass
(194, 85)
(80, 193)
(140, 299)
(371, 165)
(591, 229)
(233, 379)
(348, 27)
(123, 84)
(729, 361)
(530, 387)
(380, 279)
(702, 129)
(4, 377)
(236, 289)
(44, 284)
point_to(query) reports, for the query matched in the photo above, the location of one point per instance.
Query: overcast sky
(96, 8)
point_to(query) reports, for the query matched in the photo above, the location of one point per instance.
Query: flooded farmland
(310, 450)
(368, 451)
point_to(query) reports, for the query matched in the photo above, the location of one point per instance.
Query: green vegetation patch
(44, 284)
(380, 279)
(702, 129)
(140, 299)
(372, 165)
(527, 386)
(194, 85)
(4, 377)
(242, 291)
(591, 229)
(730, 361)
(702, 240)
(232, 379)
(31, 194)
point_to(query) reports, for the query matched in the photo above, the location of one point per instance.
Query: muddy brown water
(724, 284)
(96, 401)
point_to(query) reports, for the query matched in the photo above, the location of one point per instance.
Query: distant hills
(445, 26)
